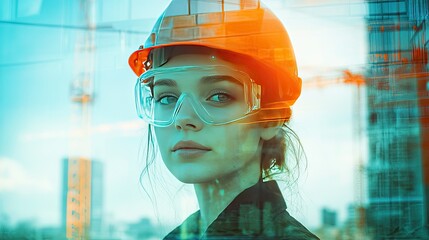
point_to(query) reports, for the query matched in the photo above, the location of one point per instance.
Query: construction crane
(78, 199)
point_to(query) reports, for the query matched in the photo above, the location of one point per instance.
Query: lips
(189, 145)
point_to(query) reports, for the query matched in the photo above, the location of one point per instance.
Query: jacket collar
(244, 215)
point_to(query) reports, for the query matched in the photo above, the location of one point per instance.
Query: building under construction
(398, 119)
(82, 198)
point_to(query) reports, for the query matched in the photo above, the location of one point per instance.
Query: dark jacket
(258, 212)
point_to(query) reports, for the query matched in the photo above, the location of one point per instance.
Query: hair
(280, 156)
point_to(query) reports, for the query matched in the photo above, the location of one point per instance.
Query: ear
(270, 130)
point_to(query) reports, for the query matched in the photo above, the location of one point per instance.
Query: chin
(194, 172)
(195, 176)
(194, 179)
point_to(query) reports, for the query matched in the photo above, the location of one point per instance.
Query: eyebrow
(220, 78)
(165, 82)
(208, 79)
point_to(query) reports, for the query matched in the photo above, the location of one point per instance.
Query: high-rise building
(82, 198)
(329, 217)
(398, 122)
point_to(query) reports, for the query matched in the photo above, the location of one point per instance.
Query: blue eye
(220, 98)
(166, 100)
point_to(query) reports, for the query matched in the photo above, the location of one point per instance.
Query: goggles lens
(216, 94)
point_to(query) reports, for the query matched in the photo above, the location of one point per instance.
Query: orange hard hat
(246, 27)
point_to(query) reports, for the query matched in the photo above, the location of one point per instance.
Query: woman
(216, 84)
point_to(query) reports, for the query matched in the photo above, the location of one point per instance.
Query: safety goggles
(218, 95)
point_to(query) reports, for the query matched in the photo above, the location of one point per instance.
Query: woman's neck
(215, 196)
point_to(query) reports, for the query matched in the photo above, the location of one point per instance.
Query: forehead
(199, 60)
(194, 67)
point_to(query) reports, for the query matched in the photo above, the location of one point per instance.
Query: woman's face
(197, 152)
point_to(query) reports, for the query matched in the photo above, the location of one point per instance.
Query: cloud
(15, 178)
(128, 128)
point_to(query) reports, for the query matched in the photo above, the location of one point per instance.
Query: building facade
(398, 110)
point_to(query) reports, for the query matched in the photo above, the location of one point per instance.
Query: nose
(187, 118)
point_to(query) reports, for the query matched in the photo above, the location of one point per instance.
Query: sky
(37, 66)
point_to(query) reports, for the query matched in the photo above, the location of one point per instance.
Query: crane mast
(78, 200)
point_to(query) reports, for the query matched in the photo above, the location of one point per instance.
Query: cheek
(161, 135)
(241, 142)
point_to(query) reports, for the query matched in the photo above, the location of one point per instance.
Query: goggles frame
(144, 102)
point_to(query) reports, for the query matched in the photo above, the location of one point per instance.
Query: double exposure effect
(206, 119)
